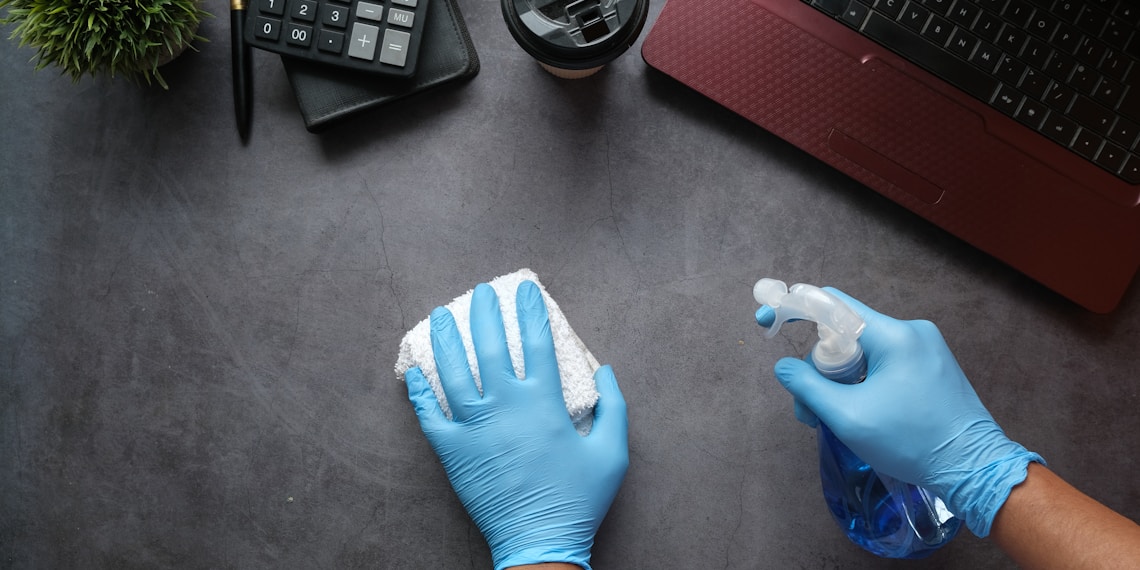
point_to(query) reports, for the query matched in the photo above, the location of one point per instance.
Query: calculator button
(335, 16)
(395, 49)
(332, 42)
(304, 11)
(369, 11)
(299, 35)
(403, 18)
(363, 41)
(408, 3)
(275, 7)
(268, 28)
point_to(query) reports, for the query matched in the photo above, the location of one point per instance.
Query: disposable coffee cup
(575, 38)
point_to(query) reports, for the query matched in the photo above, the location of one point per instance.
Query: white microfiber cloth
(575, 363)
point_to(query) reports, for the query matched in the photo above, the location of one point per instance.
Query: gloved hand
(536, 488)
(915, 418)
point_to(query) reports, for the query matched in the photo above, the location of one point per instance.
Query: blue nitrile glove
(915, 418)
(536, 488)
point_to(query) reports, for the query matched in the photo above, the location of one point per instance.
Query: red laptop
(1012, 124)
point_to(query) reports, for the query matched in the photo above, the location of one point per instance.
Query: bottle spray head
(838, 352)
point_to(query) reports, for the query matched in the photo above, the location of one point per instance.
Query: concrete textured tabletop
(197, 337)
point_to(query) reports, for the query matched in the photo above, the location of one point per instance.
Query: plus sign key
(363, 43)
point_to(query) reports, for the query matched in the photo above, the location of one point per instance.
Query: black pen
(242, 69)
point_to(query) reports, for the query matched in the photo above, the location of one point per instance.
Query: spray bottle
(883, 515)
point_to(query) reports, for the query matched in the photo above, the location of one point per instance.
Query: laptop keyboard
(1068, 69)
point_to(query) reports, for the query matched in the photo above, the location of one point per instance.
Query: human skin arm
(1079, 531)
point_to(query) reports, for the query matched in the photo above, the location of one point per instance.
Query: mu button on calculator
(374, 36)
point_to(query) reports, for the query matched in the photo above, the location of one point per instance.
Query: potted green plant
(131, 38)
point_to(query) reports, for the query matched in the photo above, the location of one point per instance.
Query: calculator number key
(335, 16)
(268, 28)
(299, 35)
(304, 11)
(275, 7)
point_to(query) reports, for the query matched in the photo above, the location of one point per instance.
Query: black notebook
(327, 95)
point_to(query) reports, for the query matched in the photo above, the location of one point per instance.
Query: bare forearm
(1047, 523)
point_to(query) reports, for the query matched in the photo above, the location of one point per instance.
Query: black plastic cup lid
(575, 34)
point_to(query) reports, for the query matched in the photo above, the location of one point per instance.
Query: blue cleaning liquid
(884, 516)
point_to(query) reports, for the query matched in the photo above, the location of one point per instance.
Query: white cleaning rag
(575, 363)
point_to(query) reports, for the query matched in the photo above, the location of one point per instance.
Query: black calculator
(374, 36)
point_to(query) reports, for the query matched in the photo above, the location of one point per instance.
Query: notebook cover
(327, 95)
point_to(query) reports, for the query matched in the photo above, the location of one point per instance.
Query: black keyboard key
(992, 6)
(1018, 12)
(938, 31)
(1068, 10)
(1087, 144)
(1058, 128)
(1124, 133)
(1035, 83)
(1116, 66)
(1130, 172)
(1111, 157)
(1091, 115)
(1067, 38)
(1116, 33)
(963, 13)
(1010, 70)
(890, 8)
(986, 57)
(1084, 79)
(1011, 39)
(939, 7)
(833, 7)
(1059, 96)
(1092, 21)
(1042, 25)
(1108, 92)
(1008, 100)
(1036, 53)
(1130, 105)
(914, 17)
(1128, 12)
(1090, 51)
(962, 43)
(1060, 66)
(855, 14)
(1031, 113)
(958, 73)
(987, 27)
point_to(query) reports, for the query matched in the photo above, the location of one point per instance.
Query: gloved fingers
(490, 339)
(610, 420)
(539, 361)
(423, 399)
(805, 415)
(451, 364)
(765, 316)
(821, 396)
(882, 333)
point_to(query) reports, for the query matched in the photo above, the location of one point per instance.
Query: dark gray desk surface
(198, 336)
